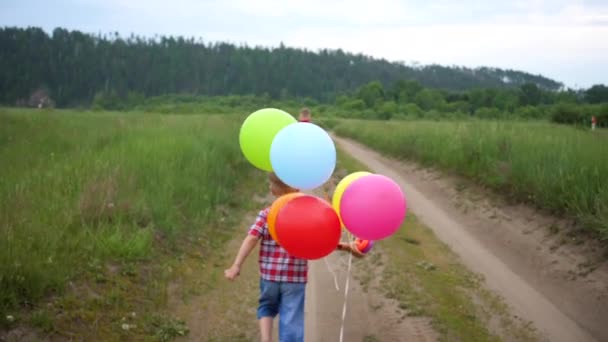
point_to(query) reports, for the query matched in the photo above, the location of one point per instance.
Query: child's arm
(256, 231)
(350, 247)
(246, 247)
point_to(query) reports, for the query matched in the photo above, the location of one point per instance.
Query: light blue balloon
(303, 155)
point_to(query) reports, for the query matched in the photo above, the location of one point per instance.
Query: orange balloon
(274, 211)
(361, 244)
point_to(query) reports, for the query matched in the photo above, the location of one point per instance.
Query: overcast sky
(566, 40)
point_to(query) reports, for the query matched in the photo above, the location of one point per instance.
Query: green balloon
(257, 133)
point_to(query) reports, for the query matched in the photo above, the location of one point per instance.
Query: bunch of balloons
(303, 156)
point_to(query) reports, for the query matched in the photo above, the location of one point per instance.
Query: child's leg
(291, 312)
(266, 329)
(268, 308)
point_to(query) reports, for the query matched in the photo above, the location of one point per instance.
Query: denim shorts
(286, 300)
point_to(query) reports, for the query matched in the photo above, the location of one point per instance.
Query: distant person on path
(283, 277)
(305, 115)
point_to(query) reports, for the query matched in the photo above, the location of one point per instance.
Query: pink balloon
(373, 207)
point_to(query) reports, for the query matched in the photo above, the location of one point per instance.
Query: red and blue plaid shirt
(276, 264)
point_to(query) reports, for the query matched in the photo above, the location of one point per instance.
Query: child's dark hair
(277, 181)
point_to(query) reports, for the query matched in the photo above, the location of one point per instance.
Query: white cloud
(533, 48)
(568, 13)
(172, 10)
(340, 11)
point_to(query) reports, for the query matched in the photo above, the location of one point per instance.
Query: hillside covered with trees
(72, 67)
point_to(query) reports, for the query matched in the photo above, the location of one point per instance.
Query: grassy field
(559, 168)
(102, 204)
(113, 225)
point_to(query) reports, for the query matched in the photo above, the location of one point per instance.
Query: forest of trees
(71, 68)
(74, 67)
(409, 99)
(404, 99)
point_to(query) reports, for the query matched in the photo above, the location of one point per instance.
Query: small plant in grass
(42, 319)
(167, 328)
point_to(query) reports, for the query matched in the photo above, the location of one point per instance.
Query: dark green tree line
(408, 98)
(72, 67)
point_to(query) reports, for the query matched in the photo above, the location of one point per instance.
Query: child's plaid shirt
(275, 263)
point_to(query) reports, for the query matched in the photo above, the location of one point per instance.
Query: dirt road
(507, 245)
(369, 316)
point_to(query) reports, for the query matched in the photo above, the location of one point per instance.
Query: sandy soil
(369, 315)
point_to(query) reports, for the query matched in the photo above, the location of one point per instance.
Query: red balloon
(308, 227)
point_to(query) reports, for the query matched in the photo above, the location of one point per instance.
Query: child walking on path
(283, 277)
(305, 115)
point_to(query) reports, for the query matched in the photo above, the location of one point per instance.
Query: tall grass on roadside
(559, 168)
(80, 188)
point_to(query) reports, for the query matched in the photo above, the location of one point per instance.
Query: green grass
(558, 168)
(102, 200)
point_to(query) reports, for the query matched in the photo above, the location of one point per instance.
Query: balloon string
(350, 259)
(333, 273)
(327, 190)
(324, 259)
